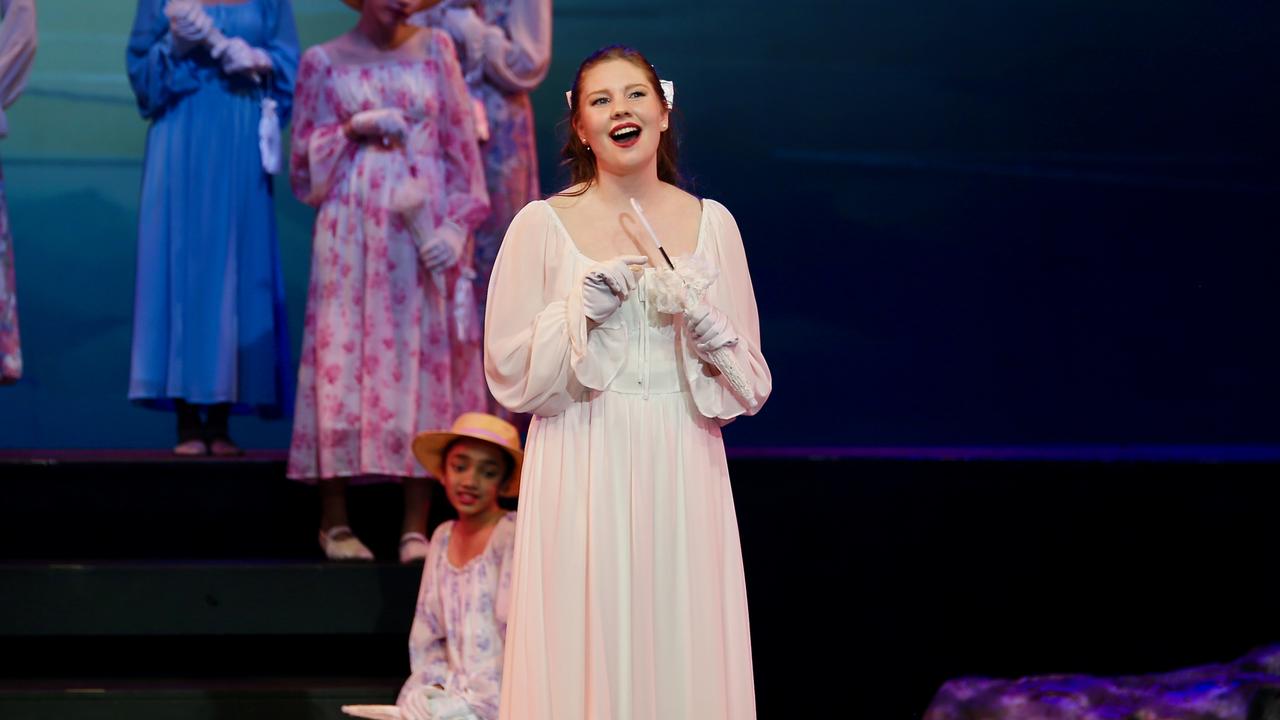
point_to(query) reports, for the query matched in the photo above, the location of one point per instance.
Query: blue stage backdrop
(969, 223)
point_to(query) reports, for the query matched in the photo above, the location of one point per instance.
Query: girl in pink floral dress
(384, 145)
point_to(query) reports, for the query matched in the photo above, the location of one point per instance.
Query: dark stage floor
(874, 574)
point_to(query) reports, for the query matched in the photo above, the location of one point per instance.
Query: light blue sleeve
(159, 78)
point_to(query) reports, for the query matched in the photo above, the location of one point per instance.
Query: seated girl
(456, 644)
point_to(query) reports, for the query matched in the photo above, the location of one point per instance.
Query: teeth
(624, 132)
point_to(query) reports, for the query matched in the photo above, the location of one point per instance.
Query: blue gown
(209, 322)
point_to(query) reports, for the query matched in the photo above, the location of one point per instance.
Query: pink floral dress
(17, 51)
(382, 357)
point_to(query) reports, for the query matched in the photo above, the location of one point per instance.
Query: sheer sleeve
(319, 152)
(428, 659)
(467, 200)
(282, 48)
(158, 77)
(517, 58)
(733, 295)
(17, 51)
(540, 355)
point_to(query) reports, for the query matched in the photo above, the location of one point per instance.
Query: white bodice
(651, 366)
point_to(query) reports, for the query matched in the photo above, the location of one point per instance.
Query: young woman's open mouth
(625, 135)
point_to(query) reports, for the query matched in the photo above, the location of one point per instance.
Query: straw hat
(429, 446)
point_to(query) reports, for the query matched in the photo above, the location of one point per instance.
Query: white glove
(607, 284)
(450, 707)
(465, 24)
(388, 123)
(238, 56)
(260, 61)
(709, 328)
(443, 247)
(189, 24)
(495, 42)
(432, 703)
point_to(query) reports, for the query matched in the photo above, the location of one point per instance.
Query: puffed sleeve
(733, 295)
(428, 659)
(158, 77)
(320, 152)
(540, 353)
(516, 59)
(467, 200)
(282, 48)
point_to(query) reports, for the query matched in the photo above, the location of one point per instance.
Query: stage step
(141, 620)
(911, 568)
(149, 505)
(269, 699)
(225, 598)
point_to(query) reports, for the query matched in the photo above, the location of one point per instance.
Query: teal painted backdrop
(998, 222)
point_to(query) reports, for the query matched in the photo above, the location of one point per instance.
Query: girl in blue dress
(209, 326)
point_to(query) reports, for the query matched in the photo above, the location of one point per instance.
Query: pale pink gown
(628, 597)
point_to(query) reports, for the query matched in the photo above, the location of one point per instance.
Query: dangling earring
(584, 143)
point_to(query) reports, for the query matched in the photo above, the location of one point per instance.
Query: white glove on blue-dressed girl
(189, 25)
(240, 58)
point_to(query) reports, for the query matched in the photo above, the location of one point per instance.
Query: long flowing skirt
(629, 600)
(209, 321)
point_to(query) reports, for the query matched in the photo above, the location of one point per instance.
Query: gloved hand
(450, 707)
(258, 61)
(495, 42)
(465, 24)
(607, 284)
(443, 248)
(238, 57)
(189, 25)
(387, 123)
(433, 703)
(709, 328)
